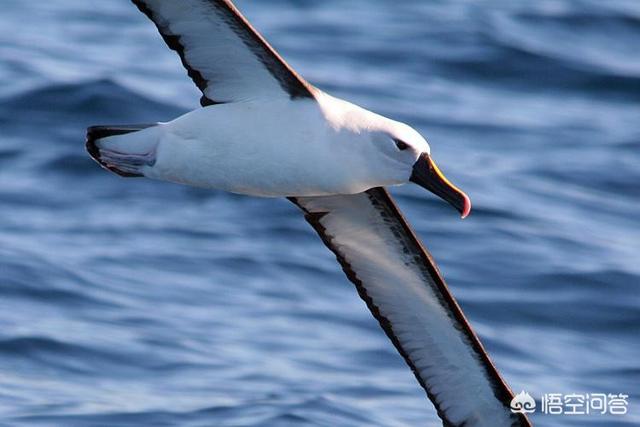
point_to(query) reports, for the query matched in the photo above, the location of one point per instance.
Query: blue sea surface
(129, 302)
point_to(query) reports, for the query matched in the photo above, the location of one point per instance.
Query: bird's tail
(124, 150)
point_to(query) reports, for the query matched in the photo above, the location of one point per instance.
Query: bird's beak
(427, 175)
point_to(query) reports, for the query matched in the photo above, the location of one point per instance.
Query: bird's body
(271, 148)
(264, 131)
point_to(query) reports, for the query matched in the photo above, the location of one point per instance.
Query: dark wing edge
(385, 204)
(290, 81)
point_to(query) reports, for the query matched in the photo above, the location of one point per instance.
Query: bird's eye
(401, 144)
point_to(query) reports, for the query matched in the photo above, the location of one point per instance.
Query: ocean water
(140, 303)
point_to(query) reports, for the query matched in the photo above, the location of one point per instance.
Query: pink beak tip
(467, 207)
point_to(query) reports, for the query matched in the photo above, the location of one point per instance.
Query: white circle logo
(523, 403)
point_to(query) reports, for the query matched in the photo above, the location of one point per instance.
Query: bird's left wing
(401, 285)
(224, 55)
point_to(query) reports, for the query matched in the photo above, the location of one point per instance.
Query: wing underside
(401, 285)
(224, 55)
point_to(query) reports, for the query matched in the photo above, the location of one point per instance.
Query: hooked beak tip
(427, 175)
(466, 210)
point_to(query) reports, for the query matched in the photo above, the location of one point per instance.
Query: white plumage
(273, 148)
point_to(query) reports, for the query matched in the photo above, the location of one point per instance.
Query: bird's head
(399, 155)
(406, 154)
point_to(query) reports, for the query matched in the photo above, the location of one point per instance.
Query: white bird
(265, 131)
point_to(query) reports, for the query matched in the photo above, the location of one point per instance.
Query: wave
(83, 102)
(51, 120)
(544, 51)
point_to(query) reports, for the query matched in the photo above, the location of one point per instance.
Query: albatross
(265, 131)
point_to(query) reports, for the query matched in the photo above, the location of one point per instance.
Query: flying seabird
(265, 131)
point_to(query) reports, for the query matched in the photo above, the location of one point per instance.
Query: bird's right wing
(401, 285)
(224, 55)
